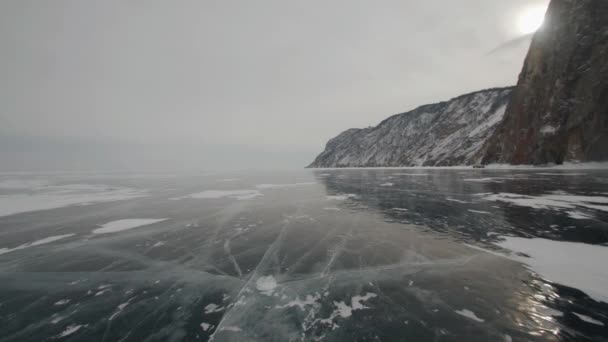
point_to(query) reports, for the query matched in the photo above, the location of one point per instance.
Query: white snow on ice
(35, 243)
(205, 326)
(478, 211)
(341, 197)
(555, 200)
(266, 285)
(573, 264)
(548, 129)
(308, 301)
(484, 180)
(579, 215)
(211, 308)
(469, 314)
(69, 330)
(41, 197)
(278, 186)
(387, 184)
(231, 328)
(588, 319)
(455, 200)
(121, 225)
(119, 309)
(214, 194)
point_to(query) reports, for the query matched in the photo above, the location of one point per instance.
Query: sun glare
(531, 19)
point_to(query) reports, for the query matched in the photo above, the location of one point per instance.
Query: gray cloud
(267, 82)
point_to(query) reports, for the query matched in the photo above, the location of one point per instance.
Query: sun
(531, 19)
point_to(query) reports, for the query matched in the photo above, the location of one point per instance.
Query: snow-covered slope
(445, 133)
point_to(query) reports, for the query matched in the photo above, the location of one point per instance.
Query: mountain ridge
(475, 112)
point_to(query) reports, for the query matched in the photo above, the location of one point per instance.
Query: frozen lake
(310, 255)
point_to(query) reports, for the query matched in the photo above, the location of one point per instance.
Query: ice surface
(469, 314)
(387, 184)
(305, 273)
(126, 224)
(214, 194)
(35, 243)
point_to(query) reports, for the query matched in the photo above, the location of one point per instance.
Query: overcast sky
(205, 84)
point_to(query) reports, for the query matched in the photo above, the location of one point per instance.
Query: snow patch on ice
(484, 180)
(278, 186)
(302, 304)
(35, 243)
(62, 302)
(158, 244)
(39, 195)
(69, 330)
(231, 328)
(588, 319)
(573, 264)
(455, 200)
(212, 308)
(547, 130)
(119, 309)
(344, 310)
(266, 285)
(126, 224)
(555, 200)
(469, 314)
(479, 211)
(206, 326)
(579, 215)
(341, 197)
(215, 194)
(387, 184)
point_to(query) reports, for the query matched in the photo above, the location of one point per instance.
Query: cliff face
(446, 133)
(559, 109)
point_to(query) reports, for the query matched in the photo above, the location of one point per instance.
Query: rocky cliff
(446, 133)
(559, 109)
